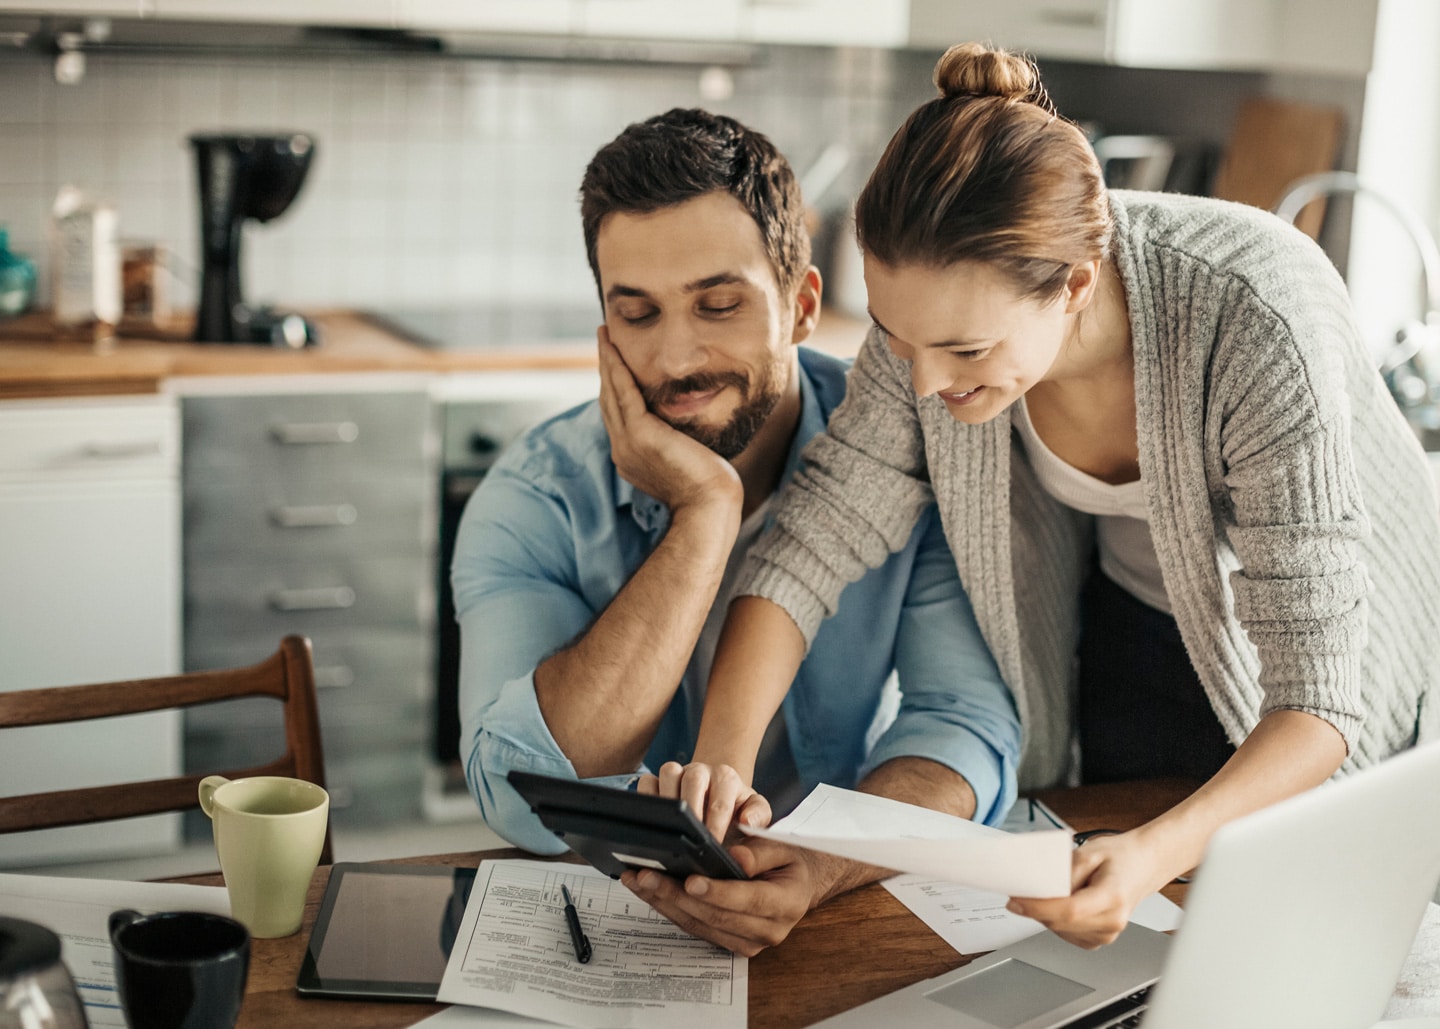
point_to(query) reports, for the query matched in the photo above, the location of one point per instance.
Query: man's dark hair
(686, 153)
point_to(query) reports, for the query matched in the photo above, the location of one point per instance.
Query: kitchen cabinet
(315, 513)
(661, 19)
(880, 23)
(89, 592)
(1330, 37)
(813, 22)
(370, 13)
(114, 8)
(539, 16)
(1326, 36)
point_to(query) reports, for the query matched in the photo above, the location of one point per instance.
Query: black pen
(577, 935)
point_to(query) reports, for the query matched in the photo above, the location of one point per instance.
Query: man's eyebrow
(624, 291)
(711, 281)
(698, 286)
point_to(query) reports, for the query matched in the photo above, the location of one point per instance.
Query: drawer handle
(294, 434)
(120, 451)
(314, 516)
(324, 598)
(334, 677)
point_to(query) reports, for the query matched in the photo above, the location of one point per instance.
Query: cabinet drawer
(230, 599)
(378, 788)
(376, 666)
(304, 518)
(309, 435)
(346, 729)
(128, 438)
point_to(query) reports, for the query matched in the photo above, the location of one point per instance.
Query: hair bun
(973, 69)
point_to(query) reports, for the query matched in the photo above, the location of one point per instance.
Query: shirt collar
(653, 516)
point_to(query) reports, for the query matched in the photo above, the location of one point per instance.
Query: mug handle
(208, 786)
(120, 919)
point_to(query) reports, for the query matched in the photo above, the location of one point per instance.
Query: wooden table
(856, 948)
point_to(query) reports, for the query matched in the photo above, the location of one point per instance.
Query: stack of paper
(513, 953)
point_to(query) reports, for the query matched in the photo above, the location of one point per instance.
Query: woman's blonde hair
(987, 171)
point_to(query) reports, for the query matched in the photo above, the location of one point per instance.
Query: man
(594, 563)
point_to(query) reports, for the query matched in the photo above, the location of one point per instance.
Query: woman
(1157, 444)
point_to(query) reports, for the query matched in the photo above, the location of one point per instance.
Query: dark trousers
(1143, 712)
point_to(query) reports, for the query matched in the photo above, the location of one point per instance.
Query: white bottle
(86, 263)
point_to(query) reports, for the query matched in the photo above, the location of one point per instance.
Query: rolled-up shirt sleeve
(955, 709)
(510, 733)
(518, 600)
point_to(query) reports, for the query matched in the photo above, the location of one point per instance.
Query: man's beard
(731, 439)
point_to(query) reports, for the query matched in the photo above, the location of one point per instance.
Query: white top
(1122, 516)
(776, 776)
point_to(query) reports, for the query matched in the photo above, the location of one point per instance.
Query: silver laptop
(1302, 915)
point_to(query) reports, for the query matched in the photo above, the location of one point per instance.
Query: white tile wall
(434, 181)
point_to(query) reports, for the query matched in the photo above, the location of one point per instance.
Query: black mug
(180, 969)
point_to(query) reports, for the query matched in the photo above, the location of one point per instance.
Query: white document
(907, 838)
(513, 953)
(973, 921)
(78, 911)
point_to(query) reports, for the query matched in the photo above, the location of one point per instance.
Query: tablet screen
(385, 931)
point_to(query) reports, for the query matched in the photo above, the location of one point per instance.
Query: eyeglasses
(1081, 838)
(1030, 814)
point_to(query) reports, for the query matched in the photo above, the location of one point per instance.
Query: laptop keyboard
(1124, 1013)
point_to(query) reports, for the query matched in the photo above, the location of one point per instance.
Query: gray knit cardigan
(1292, 509)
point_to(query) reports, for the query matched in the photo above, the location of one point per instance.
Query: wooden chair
(288, 675)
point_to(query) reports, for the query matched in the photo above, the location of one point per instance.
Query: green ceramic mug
(269, 831)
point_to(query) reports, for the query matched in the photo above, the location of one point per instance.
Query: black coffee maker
(244, 177)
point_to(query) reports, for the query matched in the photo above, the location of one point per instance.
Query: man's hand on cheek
(652, 455)
(744, 916)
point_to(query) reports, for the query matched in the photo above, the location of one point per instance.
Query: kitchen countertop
(34, 363)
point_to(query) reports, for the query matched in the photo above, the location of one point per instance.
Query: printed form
(513, 952)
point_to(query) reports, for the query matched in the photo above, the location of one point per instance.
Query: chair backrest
(287, 675)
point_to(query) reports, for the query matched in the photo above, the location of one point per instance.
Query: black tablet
(384, 932)
(616, 829)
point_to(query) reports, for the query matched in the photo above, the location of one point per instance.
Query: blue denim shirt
(552, 535)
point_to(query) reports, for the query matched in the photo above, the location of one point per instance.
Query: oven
(481, 414)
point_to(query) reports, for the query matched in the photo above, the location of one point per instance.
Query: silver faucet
(1411, 366)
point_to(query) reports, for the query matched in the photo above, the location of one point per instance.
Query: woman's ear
(807, 305)
(1080, 285)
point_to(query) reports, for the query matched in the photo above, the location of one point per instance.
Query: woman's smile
(958, 399)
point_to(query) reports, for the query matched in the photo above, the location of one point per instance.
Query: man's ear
(1080, 285)
(807, 304)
